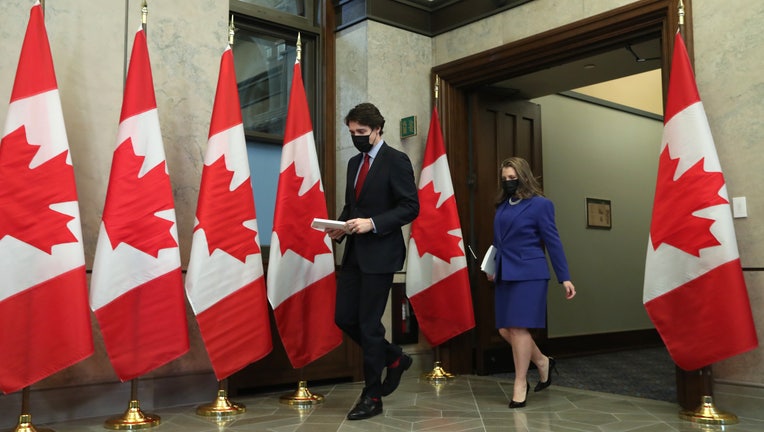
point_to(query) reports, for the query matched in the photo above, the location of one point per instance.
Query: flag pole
(134, 418)
(302, 397)
(222, 407)
(144, 15)
(437, 373)
(706, 413)
(25, 419)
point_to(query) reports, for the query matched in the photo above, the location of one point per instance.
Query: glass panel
(264, 163)
(296, 7)
(264, 66)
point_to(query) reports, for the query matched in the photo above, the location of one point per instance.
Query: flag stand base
(706, 413)
(302, 396)
(437, 374)
(133, 419)
(221, 407)
(25, 425)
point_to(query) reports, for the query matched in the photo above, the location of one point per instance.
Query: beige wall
(598, 152)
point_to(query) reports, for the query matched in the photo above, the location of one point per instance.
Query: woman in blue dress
(523, 230)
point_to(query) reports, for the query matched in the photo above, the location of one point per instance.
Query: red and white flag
(694, 289)
(136, 288)
(437, 280)
(44, 316)
(301, 282)
(225, 282)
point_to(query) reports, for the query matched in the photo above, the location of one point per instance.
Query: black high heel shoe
(552, 367)
(513, 404)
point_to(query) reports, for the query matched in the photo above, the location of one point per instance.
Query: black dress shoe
(513, 404)
(394, 374)
(542, 385)
(365, 408)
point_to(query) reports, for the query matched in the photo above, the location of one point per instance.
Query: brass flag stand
(133, 418)
(438, 374)
(221, 406)
(302, 397)
(706, 413)
(25, 419)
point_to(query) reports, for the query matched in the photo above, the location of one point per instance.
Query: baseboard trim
(741, 399)
(602, 343)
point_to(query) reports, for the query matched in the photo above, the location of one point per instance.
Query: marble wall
(728, 64)
(91, 43)
(390, 68)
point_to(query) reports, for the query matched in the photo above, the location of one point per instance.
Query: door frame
(459, 78)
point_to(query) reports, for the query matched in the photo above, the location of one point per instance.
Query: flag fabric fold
(301, 281)
(437, 279)
(44, 316)
(225, 282)
(137, 288)
(694, 291)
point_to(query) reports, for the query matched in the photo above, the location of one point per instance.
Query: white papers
(324, 224)
(489, 261)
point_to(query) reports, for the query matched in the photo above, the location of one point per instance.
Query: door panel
(501, 128)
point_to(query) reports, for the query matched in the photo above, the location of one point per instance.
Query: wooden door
(501, 128)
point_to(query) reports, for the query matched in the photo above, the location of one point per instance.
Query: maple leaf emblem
(432, 226)
(28, 193)
(673, 221)
(222, 212)
(294, 213)
(129, 215)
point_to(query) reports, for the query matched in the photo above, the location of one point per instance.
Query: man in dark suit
(380, 197)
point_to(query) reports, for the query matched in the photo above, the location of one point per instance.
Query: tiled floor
(463, 403)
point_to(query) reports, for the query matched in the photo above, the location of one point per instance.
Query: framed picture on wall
(598, 213)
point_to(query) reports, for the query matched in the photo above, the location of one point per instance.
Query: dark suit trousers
(361, 302)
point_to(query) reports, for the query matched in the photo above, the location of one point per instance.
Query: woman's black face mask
(510, 186)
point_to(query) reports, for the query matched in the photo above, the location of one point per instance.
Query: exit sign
(408, 127)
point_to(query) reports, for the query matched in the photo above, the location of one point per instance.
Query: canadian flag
(136, 288)
(44, 317)
(694, 289)
(225, 281)
(437, 280)
(301, 283)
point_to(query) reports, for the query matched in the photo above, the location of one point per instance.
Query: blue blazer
(389, 197)
(522, 233)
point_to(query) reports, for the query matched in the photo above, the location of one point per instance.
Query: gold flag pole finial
(299, 47)
(144, 14)
(231, 32)
(437, 86)
(681, 12)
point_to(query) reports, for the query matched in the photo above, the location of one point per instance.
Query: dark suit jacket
(522, 239)
(389, 197)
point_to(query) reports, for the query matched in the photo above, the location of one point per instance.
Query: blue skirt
(521, 303)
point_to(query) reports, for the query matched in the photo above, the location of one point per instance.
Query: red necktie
(362, 175)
